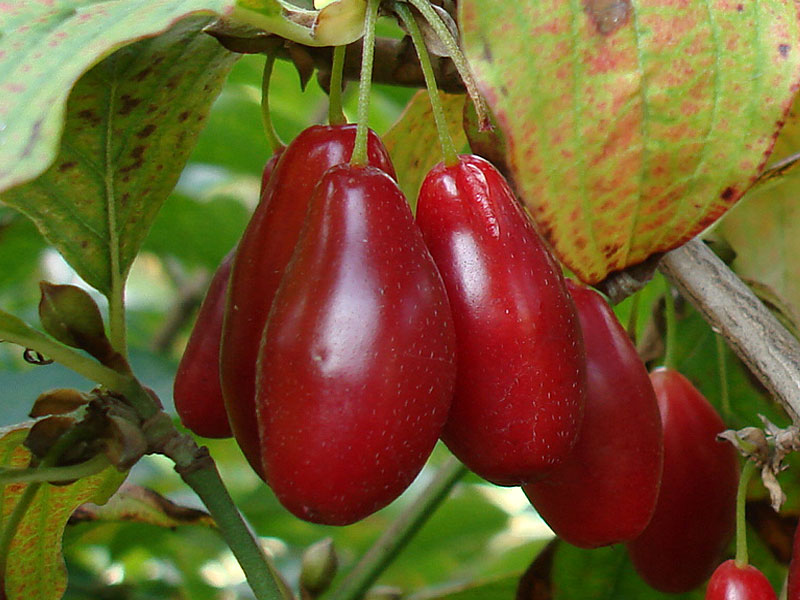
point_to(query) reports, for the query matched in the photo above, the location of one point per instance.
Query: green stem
(359, 158)
(261, 576)
(741, 504)
(722, 367)
(445, 139)
(458, 58)
(671, 343)
(335, 110)
(54, 474)
(399, 533)
(273, 139)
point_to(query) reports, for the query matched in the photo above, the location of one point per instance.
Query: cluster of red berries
(344, 337)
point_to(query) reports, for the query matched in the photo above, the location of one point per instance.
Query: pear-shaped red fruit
(606, 490)
(357, 364)
(695, 514)
(521, 377)
(264, 251)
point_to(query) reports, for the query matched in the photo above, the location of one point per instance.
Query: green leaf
(414, 144)
(45, 47)
(20, 249)
(632, 125)
(602, 574)
(36, 566)
(131, 124)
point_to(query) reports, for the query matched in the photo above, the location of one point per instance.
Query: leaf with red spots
(414, 144)
(45, 46)
(633, 124)
(131, 123)
(35, 567)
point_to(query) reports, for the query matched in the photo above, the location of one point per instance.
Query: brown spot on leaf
(784, 50)
(141, 75)
(728, 193)
(173, 82)
(608, 15)
(90, 116)
(128, 104)
(740, 7)
(610, 250)
(136, 154)
(35, 132)
(146, 131)
(66, 166)
(183, 116)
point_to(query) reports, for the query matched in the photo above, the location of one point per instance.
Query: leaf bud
(318, 567)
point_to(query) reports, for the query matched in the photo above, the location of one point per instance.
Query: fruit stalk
(731, 308)
(359, 157)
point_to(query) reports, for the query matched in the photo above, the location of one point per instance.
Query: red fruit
(521, 367)
(606, 490)
(793, 581)
(695, 514)
(269, 168)
(357, 364)
(197, 392)
(730, 582)
(264, 251)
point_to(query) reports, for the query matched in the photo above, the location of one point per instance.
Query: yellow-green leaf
(35, 567)
(633, 125)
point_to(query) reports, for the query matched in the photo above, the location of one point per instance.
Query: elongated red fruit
(357, 364)
(197, 392)
(694, 519)
(606, 490)
(264, 251)
(730, 582)
(521, 367)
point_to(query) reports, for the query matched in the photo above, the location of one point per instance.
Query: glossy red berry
(606, 489)
(730, 582)
(694, 519)
(197, 392)
(357, 364)
(521, 367)
(264, 251)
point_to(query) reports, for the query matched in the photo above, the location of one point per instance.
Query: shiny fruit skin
(264, 251)
(730, 582)
(197, 391)
(357, 364)
(793, 581)
(521, 368)
(694, 519)
(606, 489)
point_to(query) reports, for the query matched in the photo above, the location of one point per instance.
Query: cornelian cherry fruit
(731, 582)
(521, 377)
(356, 369)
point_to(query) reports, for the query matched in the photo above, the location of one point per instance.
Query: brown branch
(732, 309)
(396, 63)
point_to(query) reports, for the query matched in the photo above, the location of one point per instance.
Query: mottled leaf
(131, 124)
(414, 144)
(35, 566)
(45, 47)
(141, 505)
(632, 125)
